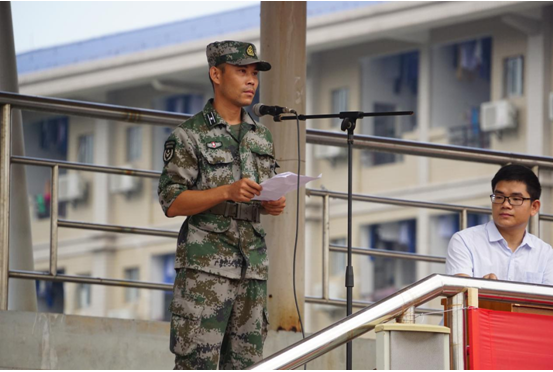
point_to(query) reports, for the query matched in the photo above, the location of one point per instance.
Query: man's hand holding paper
(275, 207)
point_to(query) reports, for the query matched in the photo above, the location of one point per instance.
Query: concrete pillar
(423, 124)
(538, 87)
(22, 293)
(423, 242)
(313, 210)
(283, 26)
(423, 108)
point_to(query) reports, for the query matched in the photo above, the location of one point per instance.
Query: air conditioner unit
(123, 184)
(71, 187)
(497, 115)
(329, 152)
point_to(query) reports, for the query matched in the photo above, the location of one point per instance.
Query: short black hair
(520, 173)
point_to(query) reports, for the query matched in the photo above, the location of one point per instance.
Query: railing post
(326, 245)
(456, 306)
(463, 219)
(54, 221)
(534, 227)
(5, 152)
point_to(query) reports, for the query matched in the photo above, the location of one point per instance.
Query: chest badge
(214, 145)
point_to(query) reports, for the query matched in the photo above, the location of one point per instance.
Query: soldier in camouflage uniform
(214, 163)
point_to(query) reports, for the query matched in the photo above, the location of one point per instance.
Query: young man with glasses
(503, 249)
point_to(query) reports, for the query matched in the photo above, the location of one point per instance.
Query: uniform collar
(495, 236)
(213, 118)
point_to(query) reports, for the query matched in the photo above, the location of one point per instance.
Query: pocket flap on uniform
(259, 229)
(183, 304)
(262, 150)
(216, 156)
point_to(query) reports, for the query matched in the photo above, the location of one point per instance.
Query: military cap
(236, 53)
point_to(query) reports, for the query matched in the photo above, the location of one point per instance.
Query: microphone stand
(349, 119)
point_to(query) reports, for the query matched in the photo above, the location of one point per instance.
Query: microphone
(259, 109)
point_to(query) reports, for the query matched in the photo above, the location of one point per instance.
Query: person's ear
(535, 207)
(215, 75)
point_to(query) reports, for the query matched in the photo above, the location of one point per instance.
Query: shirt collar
(495, 236)
(213, 118)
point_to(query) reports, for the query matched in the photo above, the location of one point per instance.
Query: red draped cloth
(504, 340)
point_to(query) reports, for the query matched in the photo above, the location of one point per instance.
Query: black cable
(297, 228)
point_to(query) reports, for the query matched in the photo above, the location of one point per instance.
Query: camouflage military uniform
(219, 301)
(212, 315)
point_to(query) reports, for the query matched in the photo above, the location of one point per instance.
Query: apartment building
(443, 60)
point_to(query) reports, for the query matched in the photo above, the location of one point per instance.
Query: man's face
(237, 84)
(509, 217)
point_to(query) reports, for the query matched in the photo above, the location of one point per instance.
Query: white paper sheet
(281, 184)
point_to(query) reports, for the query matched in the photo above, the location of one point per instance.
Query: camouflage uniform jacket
(201, 154)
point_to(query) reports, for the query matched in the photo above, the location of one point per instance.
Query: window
(86, 149)
(134, 143)
(53, 135)
(132, 294)
(168, 278)
(50, 295)
(513, 76)
(389, 83)
(83, 295)
(339, 103)
(392, 274)
(384, 126)
(185, 104)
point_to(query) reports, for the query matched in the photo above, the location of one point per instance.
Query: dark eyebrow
(513, 194)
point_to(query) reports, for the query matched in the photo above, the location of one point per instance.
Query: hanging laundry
(408, 73)
(53, 135)
(472, 58)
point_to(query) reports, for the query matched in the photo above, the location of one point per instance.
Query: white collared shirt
(481, 250)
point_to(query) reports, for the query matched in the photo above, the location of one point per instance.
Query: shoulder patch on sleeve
(169, 151)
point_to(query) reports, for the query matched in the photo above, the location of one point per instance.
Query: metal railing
(407, 147)
(463, 211)
(435, 285)
(11, 101)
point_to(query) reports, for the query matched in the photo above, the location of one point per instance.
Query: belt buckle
(241, 212)
(231, 210)
(247, 212)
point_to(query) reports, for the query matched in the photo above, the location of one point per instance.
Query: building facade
(442, 60)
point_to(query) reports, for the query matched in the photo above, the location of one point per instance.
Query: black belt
(238, 211)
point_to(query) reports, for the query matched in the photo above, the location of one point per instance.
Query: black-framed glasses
(515, 201)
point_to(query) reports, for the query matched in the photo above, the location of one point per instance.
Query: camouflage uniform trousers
(213, 315)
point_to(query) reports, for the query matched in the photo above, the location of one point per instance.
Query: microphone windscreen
(257, 109)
